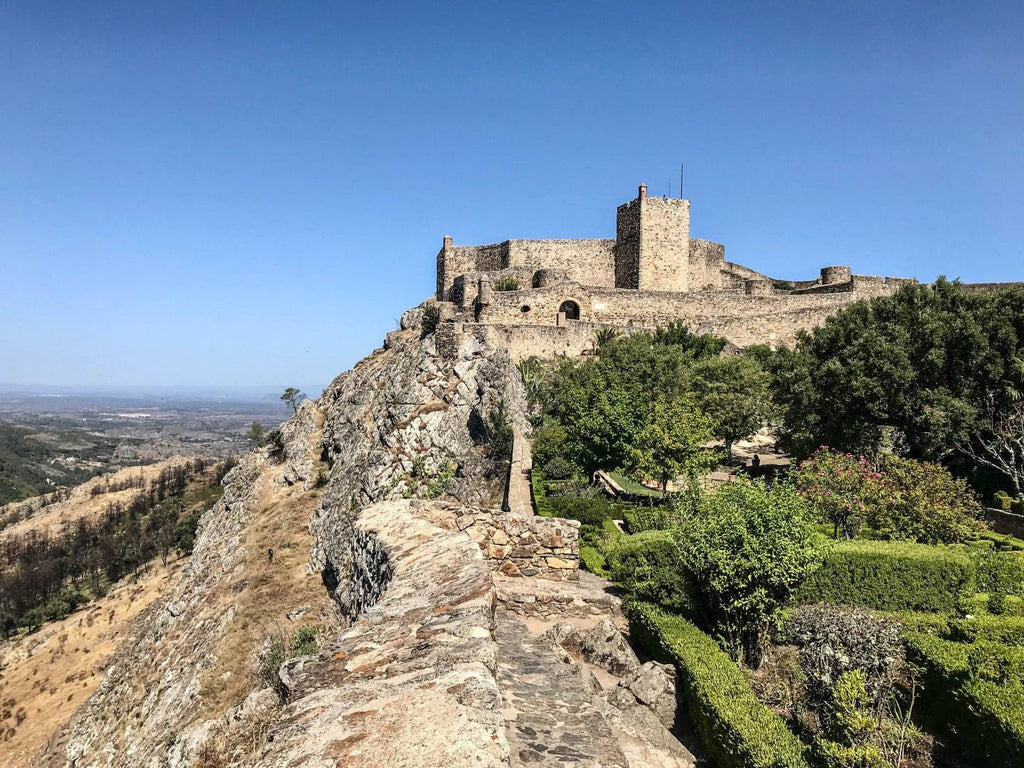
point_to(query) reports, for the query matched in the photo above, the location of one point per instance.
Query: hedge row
(981, 602)
(738, 730)
(891, 576)
(592, 560)
(974, 691)
(649, 566)
(640, 519)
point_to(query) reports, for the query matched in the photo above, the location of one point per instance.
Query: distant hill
(34, 461)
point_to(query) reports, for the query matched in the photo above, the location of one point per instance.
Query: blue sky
(251, 193)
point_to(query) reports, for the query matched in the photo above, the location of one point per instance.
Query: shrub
(499, 433)
(275, 441)
(304, 641)
(748, 549)
(270, 661)
(841, 487)
(925, 503)
(588, 511)
(1009, 605)
(548, 444)
(650, 567)
(891, 576)
(1000, 629)
(936, 624)
(1003, 501)
(738, 730)
(506, 283)
(592, 559)
(639, 519)
(559, 468)
(836, 640)
(986, 716)
(999, 572)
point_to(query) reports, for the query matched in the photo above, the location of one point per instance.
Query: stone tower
(652, 251)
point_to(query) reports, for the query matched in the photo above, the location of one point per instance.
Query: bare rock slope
(421, 663)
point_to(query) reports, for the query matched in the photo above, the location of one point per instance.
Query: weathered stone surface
(412, 682)
(602, 644)
(652, 685)
(542, 598)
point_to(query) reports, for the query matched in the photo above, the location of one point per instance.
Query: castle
(547, 297)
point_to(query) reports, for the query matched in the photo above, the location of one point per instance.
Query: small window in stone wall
(525, 308)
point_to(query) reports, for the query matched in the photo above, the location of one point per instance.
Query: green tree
(748, 547)
(604, 404)
(696, 346)
(672, 444)
(257, 433)
(293, 397)
(736, 392)
(924, 365)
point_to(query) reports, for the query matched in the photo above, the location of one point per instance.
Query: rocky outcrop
(421, 663)
(412, 683)
(401, 419)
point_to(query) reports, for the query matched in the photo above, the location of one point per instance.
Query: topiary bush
(975, 692)
(998, 572)
(891, 576)
(589, 511)
(1002, 500)
(650, 567)
(999, 629)
(559, 468)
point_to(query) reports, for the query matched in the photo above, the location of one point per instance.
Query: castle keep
(547, 297)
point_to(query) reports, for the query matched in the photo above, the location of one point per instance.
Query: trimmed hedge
(639, 519)
(737, 729)
(1000, 629)
(986, 715)
(1001, 572)
(981, 602)
(650, 567)
(593, 561)
(891, 576)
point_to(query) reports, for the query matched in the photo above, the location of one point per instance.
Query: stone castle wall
(741, 318)
(590, 262)
(707, 259)
(539, 547)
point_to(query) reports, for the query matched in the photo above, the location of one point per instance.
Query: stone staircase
(548, 706)
(556, 713)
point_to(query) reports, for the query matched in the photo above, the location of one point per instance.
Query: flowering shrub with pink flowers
(903, 500)
(844, 489)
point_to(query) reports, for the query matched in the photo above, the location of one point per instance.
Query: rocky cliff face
(353, 520)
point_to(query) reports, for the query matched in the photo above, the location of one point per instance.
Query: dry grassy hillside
(46, 675)
(34, 514)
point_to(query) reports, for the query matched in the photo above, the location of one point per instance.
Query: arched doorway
(571, 310)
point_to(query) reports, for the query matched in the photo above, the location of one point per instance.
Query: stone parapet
(540, 547)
